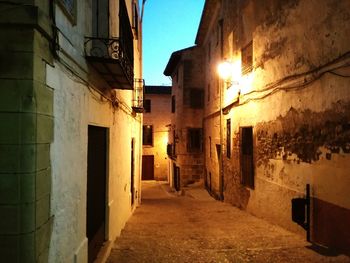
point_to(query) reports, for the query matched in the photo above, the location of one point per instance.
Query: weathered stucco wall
(297, 100)
(75, 107)
(159, 117)
(187, 74)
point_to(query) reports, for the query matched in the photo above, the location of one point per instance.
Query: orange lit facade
(277, 117)
(156, 120)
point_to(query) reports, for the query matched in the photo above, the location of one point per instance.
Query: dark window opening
(147, 105)
(209, 146)
(208, 92)
(135, 20)
(221, 37)
(228, 138)
(187, 70)
(194, 140)
(194, 98)
(100, 19)
(209, 51)
(247, 58)
(132, 178)
(247, 162)
(147, 135)
(173, 104)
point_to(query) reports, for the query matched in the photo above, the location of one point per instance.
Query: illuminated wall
(294, 95)
(159, 117)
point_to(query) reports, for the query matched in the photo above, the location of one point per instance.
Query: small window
(194, 98)
(194, 140)
(209, 51)
(69, 7)
(187, 73)
(247, 58)
(147, 105)
(177, 76)
(147, 135)
(135, 21)
(228, 138)
(247, 162)
(209, 146)
(208, 96)
(173, 104)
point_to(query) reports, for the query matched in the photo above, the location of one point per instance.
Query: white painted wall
(76, 107)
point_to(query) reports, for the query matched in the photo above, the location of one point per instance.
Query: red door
(147, 167)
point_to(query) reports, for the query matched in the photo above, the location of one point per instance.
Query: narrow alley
(194, 227)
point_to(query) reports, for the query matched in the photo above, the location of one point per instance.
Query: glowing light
(225, 70)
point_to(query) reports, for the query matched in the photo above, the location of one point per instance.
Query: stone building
(156, 120)
(70, 139)
(279, 116)
(186, 133)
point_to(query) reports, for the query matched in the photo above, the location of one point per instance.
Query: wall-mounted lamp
(226, 71)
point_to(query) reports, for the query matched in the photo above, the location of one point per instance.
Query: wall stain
(302, 133)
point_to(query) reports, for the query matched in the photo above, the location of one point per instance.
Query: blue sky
(168, 25)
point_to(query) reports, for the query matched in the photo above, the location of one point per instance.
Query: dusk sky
(168, 25)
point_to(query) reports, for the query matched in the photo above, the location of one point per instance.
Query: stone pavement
(193, 227)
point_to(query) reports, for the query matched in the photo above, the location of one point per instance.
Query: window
(208, 92)
(147, 105)
(69, 7)
(187, 70)
(177, 76)
(135, 20)
(194, 140)
(209, 146)
(194, 98)
(228, 138)
(247, 165)
(247, 58)
(220, 37)
(209, 51)
(100, 21)
(147, 135)
(173, 104)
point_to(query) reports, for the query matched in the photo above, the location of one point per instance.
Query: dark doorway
(247, 161)
(147, 167)
(96, 190)
(176, 175)
(132, 179)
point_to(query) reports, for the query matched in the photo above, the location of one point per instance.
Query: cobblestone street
(196, 228)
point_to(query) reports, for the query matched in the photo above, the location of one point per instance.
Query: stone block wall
(26, 114)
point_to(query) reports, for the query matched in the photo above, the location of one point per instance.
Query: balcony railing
(109, 56)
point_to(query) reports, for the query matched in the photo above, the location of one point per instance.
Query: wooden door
(247, 161)
(132, 175)
(147, 167)
(96, 190)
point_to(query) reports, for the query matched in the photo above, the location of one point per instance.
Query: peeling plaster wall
(301, 122)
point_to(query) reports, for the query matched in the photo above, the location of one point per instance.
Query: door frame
(107, 175)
